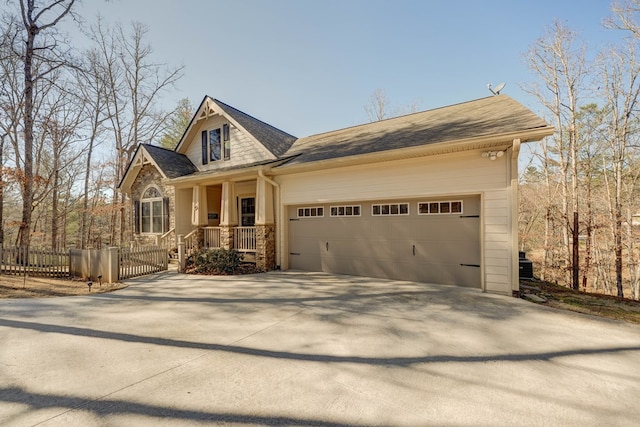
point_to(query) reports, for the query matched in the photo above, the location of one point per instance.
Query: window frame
(432, 205)
(215, 146)
(310, 210)
(389, 211)
(244, 215)
(345, 209)
(152, 202)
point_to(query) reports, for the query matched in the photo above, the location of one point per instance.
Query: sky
(310, 66)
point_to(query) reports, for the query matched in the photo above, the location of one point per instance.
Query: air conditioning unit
(526, 266)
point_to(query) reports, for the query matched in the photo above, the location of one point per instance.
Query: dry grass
(582, 302)
(42, 287)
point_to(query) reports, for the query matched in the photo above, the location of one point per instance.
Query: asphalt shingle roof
(483, 117)
(173, 164)
(274, 139)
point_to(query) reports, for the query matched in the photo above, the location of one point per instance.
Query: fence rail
(141, 260)
(34, 261)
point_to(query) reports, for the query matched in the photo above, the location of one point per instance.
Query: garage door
(436, 241)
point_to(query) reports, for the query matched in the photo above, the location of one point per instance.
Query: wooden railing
(244, 239)
(211, 237)
(141, 260)
(191, 242)
(168, 239)
(34, 261)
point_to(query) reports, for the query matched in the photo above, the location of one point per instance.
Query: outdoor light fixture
(100, 279)
(89, 284)
(492, 154)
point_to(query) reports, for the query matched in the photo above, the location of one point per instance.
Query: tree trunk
(27, 178)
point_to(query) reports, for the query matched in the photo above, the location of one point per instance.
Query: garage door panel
(429, 248)
(461, 275)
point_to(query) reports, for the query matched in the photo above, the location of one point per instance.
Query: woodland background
(71, 120)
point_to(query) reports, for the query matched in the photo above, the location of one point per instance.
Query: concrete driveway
(310, 349)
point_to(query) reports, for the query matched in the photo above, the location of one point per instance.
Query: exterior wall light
(492, 154)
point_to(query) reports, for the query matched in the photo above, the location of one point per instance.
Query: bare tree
(134, 83)
(380, 108)
(36, 45)
(558, 59)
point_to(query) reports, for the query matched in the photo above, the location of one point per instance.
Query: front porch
(228, 215)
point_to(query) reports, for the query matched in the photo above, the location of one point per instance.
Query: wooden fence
(34, 261)
(141, 260)
(111, 264)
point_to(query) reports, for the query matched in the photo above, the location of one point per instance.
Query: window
(214, 144)
(431, 208)
(310, 212)
(390, 209)
(347, 210)
(227, 141)
(153, 214)
(248, 212)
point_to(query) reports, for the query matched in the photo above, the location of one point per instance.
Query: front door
(248, 211)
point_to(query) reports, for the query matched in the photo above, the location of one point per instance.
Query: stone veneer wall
(266, 247)
(149, 175)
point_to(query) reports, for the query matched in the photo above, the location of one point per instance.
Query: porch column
(265, 226)
(199, 212)
(228, 214)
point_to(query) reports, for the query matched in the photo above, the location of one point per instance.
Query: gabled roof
(490, 116)
(171, 164)
(274, 140)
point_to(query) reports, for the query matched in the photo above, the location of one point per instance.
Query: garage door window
(390, 209)
(310, 212)
(347, 210)
(438, 208)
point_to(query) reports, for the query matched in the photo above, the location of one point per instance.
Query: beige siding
(456, 174)
(183, 211)
(442, 175)
(243, 149)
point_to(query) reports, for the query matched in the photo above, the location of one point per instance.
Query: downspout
(278, 215)
(515, 266)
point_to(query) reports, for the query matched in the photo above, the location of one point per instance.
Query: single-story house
(429, 196)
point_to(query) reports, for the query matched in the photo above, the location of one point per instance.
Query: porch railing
(191, 242)
(244, 239)
(211, 237)
(168, 239)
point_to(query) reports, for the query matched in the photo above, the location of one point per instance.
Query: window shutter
(205, 158)
(165, 213)
(136, 216)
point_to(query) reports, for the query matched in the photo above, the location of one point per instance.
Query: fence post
(114, 265)
(181, 254)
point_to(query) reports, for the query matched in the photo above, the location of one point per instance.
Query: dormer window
(216, 144)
